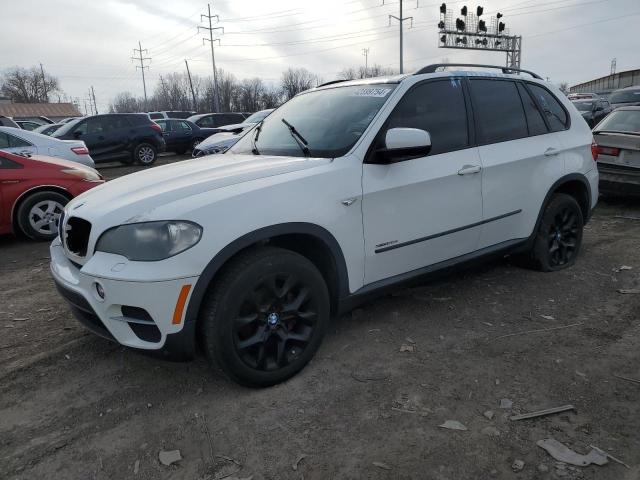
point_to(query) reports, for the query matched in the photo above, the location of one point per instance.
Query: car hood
(138, 196)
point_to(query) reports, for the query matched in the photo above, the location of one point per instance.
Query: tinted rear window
(554, 112)
(625, 96)
(499, 110)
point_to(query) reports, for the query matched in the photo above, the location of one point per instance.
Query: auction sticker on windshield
(371, 92)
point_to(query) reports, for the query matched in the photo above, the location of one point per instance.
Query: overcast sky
(87, 43)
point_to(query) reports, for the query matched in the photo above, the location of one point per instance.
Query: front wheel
(195, 143)
(265, 317)
(145, 154)
(559, 235)
(39, 214)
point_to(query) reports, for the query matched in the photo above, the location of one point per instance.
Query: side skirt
(429, 273)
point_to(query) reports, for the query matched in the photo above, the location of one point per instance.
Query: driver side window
(439, 108)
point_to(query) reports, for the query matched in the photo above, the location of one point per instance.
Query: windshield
(256, 117)
(330, 121)
(625, 96)
(621, 121)
(584, 106)
(67, 127)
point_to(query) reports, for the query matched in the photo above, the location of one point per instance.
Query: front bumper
(619, 179)
(135, 314)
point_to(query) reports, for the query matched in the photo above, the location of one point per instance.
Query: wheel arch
(574, 184)
(27, 193)
(310, 240)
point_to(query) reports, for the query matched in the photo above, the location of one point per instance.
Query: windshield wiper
(300, 140)
(254, 149)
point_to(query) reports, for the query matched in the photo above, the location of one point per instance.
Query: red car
(34, 191)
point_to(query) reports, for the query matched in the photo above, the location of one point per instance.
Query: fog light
(100, 291)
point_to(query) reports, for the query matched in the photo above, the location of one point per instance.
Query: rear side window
(499, 110)
(182, 126)
(164, 125)
(553, 111)
(535, 122)
(155, 115)
(5, 163)
(439, 108)
(206, 122)
(9, 141)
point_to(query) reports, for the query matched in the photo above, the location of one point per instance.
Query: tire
(39, 213)
(194, 144)
(264, 318)
(145, 154)
(559, 237)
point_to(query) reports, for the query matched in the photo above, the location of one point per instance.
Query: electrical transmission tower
(139, 51)
(401, 21)
(211, 29)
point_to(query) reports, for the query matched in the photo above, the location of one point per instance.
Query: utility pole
(142, 66)
(193, 94)
(401, 21)
(211, 29)
(93, 95)
(44, 85)
(365, 53)
(85, 107)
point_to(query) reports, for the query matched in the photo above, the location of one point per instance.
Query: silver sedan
(23, 142)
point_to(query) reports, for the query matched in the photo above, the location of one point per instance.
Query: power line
(142, 66)
(211, 29)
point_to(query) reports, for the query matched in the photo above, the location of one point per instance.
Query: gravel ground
(74, 406)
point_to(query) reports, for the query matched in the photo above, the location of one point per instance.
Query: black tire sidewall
(219, 342)
(541, 257)
(136, 152)
(22, 215)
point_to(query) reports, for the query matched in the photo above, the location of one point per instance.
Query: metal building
(609, 83)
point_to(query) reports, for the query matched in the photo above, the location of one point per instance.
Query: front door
(425, 210)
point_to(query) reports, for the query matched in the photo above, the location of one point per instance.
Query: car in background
(170, 114)
(618, 139)
(127, 137)
(182, 135)
(68, 119)
(48, 129)
(8, 122)
(217, 143)
(582, 96)
(35, 191)
(41, 119)
(28, 144)
(215, 120)
(593, 110)
(28, 124)
(229, 135)
(625, 97)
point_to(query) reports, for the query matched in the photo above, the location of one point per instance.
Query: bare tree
(296, 80)
(23, 85)
(376, 70)
(271, 98)
(125, 102)
(564, 88)
(227, 90)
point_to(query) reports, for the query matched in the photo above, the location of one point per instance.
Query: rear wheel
(145, 154)
(559, 235)
(265, 317)
(39, 214)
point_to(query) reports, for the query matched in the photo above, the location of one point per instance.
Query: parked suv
(342, 192)
(127, 137)
(625, 97)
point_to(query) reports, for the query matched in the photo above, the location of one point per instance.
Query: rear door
(519, 157)
(422, 211)
(93, 132)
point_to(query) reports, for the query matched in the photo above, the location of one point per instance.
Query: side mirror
(403, 144)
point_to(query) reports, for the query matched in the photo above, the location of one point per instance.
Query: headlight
(86, 174)
(150, 241)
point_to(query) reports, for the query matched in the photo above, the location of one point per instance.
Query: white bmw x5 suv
(344, 190)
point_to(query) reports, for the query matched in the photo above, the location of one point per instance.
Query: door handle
(550, 152)
(469, 169)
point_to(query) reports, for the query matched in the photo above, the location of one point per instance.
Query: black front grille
(77, 236)
(60, 226)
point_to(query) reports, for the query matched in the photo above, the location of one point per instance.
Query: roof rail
(433, 68)
(330, 83)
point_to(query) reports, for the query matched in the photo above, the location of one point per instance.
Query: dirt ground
(74, 406)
